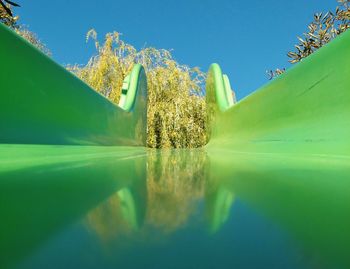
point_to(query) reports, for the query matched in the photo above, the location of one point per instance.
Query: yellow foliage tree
(176, 107)
(7, 18)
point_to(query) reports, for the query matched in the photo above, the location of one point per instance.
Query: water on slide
(94, 207)
(270, 190)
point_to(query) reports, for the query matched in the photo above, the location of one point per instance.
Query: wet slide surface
(107, 208)
(270, 190)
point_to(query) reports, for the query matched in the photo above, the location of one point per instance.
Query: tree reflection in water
(176, 183)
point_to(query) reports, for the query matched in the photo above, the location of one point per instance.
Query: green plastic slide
(42, 103)
(282, 152)
(306, 110)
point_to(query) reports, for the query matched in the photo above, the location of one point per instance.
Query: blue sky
(245, 37)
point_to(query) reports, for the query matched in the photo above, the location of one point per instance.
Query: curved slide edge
(42, 103)
(303, 111)
(218, 88)
(131, 84)
(219, 96)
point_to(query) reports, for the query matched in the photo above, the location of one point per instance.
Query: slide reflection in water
(136, 199)
(45, 188)
(308, 197)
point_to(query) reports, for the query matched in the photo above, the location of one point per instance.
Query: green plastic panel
(47, 189)
(42, 103)
(44, 188)
(306, 110)
(306, 195)
(219, 85)
(281, 154)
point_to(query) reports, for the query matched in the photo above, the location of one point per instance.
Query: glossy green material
(43, 188)
(229, 93)
(42, 103)
(219, 85)
(306, 110)
(270, 190)
(219, 206)
(58, 207)
(134, 83)
(306, 195)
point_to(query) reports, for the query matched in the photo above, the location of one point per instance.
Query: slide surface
(278, 157)
(42, 103)
(304, 111)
